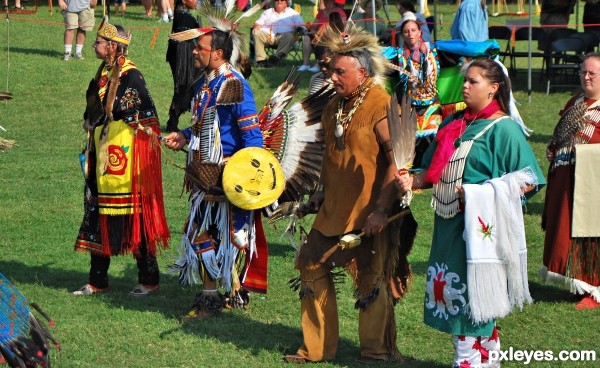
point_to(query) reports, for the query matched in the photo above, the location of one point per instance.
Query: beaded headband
(110, 32)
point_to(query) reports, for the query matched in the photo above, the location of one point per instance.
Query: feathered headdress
(354, 39)
(223, 20)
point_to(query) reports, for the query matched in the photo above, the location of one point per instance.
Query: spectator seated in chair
(276, 26)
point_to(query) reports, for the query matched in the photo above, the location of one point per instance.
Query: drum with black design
(253, 178)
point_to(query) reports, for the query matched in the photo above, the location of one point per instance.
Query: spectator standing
(166, 14)
(556, 14)
(369, 21)
(147, 7)
(591, 15)
(471, 21)
(78, 15)
(17, 5)
(120, 4)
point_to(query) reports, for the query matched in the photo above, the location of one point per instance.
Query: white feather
(229, 6)
(250, 12)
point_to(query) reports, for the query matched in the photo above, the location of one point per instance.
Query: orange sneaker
(88, 289)
(587, 302)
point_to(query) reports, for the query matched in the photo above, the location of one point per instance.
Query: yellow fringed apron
(115, 177)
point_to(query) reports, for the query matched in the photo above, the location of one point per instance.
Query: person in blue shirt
(471, 21)
(224, 120)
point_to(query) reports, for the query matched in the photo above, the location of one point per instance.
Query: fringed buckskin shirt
(352, 177)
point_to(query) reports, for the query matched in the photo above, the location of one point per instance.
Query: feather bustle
(295, 136)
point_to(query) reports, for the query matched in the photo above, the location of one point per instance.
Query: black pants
(148, 273)
(175, 111)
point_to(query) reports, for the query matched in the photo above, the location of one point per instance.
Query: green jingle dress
(500, 150)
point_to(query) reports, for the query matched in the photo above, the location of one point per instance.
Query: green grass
(41, 209)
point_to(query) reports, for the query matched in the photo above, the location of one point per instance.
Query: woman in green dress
(471, 147)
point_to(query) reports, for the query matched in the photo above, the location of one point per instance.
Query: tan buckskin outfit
(352, 181)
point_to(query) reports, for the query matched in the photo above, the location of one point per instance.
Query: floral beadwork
(130, 100)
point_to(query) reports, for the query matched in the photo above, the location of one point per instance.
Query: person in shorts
(120, 4)
(78, 15)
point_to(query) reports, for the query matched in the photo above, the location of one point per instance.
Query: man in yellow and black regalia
(124, 210)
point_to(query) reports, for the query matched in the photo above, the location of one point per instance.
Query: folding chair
(522, 36)
(295, 52)
(563, 63)
(590, 39)
(502, 33)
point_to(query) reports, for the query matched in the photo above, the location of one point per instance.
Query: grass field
(41, 209)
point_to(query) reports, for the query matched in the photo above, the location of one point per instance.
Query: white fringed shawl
(496, 248)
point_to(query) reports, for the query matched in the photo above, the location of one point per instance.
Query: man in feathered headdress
(220, 238)
(356, 192)
(124, 210)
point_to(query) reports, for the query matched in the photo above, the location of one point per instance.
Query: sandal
(19, 8)
(88, 289)
(143, 290)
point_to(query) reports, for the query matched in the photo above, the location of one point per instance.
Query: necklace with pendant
(342, 120)
(459, 140)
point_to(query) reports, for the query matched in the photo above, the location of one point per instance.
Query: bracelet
(381, 209)
(320, 188)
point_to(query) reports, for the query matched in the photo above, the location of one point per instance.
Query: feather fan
(403, 130)
(186, 35)
(569, 124)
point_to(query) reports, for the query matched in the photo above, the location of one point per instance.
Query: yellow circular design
(253, 178)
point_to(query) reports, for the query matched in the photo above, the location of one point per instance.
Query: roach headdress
(354, 39)
(222, 20)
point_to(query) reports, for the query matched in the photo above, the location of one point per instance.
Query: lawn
(41, 208)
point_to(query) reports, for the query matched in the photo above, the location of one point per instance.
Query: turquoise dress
(502, 149)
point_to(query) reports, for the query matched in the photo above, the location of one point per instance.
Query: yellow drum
(253, 178)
